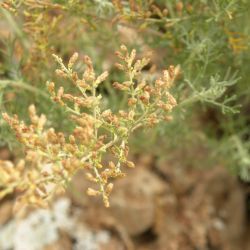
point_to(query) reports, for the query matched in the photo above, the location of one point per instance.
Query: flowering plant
(53, 158)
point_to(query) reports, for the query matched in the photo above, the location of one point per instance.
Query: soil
(160, 205)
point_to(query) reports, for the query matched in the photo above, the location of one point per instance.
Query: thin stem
(103, 148)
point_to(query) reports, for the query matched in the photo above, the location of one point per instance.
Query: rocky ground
(159, 206)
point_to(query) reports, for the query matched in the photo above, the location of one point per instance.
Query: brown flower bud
(179, 6)
(90, 177)
(120, 86)
(109, 188)
(132, 101)
(145, 98)
(51, 87)
(168, 118)
(92, 192)
(171, 99)
(120, 66)
(123, 48)
(101, 77)
(72, 60)
(130, 164)
(111, 165)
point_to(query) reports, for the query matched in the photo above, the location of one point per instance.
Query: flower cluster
(53, 158)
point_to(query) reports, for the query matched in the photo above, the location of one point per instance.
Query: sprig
(53, 158)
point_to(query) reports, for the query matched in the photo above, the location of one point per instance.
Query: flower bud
(92, 192)
(130, 164)
(132, 101)
(109, 188)
(72, 60)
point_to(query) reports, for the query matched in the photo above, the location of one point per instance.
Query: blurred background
(190, 187)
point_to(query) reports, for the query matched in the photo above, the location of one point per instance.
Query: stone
(133, 202)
